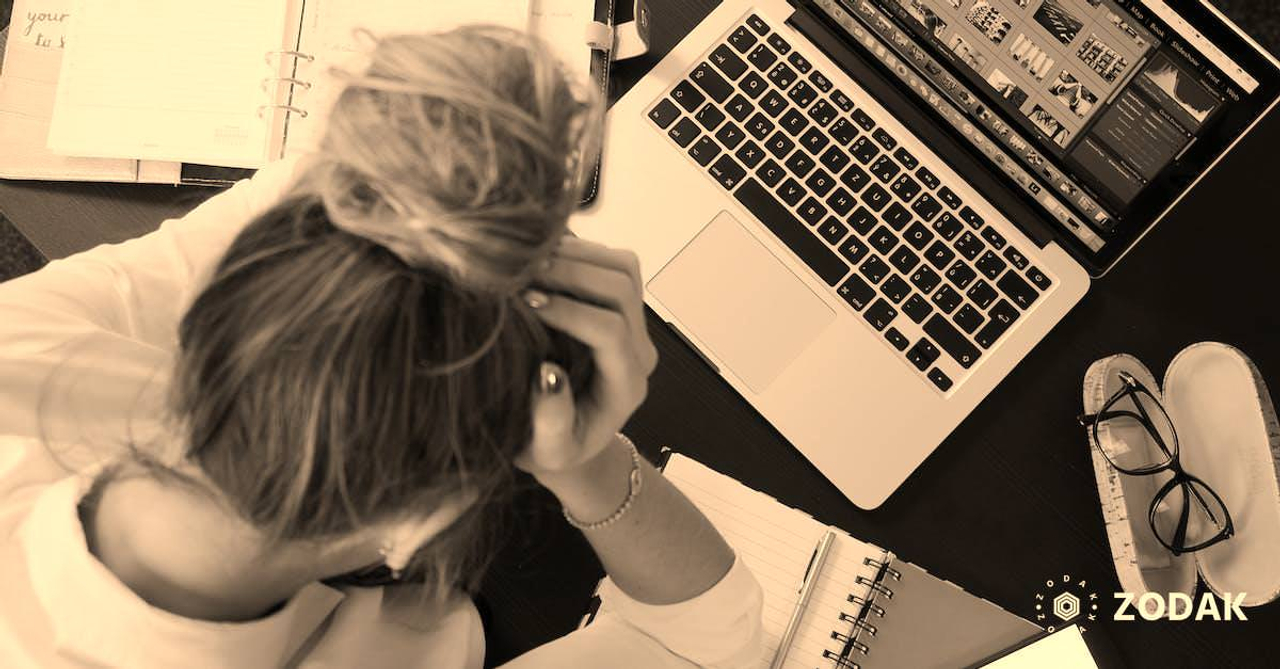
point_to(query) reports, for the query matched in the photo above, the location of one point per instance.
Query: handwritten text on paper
(46, 29)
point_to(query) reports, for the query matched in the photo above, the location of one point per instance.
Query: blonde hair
(360, 352)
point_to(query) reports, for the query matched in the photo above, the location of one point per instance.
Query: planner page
(164, 80)
(776, 543)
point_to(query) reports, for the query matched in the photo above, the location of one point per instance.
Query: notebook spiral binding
(268, 57)
(861, 629)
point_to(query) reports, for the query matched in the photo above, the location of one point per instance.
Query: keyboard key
(961, 274)
(760, 126)
(779, 145)
(800, 62)
(834, 232)
(750, 153)
(727, 172)
(897, 339)
(863, 120)
(969, 245)
(842, 101)
(881, 314)
(820, 183)
(874, 269)
(949, 196)
(904, 259)
(885, 169)
(982, 294)
(1039, 279)
(939, 255)
(929, 179)
(791, 192)
(971, 217)
(704, 150)
(862, 220)
(814, 140)
(820, 81)
(757, 24)
(687, 96)
(823, 113)
(841, 202)
(917, 308)
(843, 131)
(918, 236)
(773, 103)
(799, 164)
(821, 259)
(1018, 291)
(897, 216)
(856, 292)
(664, 113)
(990, 265)
(762, 57)
(876, 198)
(782, 76)
(895, 289)
(968, 318)
(713, 84)
(753, 85)
(947, 299)
(906, 159)
(780, 45)
(684, 132)
(709, 117)
(995, 239)
(739, 108)
(724, 58)
(864, 150)
(853, 249)
(948, 226)
(927, 206)
(742, 39)
(812, 211)
(793, 122)
(940, 379)
(923, 354)
(926, 279)
(883, 240)
(834, 159)
(1015, 258)
(855, 178)
(802, 94)
(883, 138)
(951, 341)
(1002, 317)
(906, 188)
(771, 173)
(730, 136)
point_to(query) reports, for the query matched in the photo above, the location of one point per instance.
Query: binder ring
(842, 638)
(876, 609)
(864, 625)
(861, 647)
(287, 52)
(897, 575)
(875, 585)
(841, 662)
(302, 113)
(291, 80)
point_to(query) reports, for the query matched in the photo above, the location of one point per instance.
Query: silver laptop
(864, 213)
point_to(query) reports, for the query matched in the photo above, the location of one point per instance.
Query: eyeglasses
(1124, 430)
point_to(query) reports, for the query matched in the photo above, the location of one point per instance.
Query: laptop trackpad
(741, 301)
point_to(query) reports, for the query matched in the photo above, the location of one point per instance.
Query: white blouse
(86, 347)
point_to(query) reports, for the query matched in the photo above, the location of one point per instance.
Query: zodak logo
(1178, 606)
(1065, 600)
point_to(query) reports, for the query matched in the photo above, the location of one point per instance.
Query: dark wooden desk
(1006, 503)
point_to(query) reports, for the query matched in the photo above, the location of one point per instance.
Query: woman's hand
(599, 302)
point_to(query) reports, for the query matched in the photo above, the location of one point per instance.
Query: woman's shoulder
(388, 625)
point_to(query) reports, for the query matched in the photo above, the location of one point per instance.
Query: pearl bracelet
(633, 491)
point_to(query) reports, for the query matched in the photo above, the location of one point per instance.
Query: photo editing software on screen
(1085, 104)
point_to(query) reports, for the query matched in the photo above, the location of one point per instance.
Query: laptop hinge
(813, 23)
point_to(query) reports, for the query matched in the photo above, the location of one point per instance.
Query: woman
(335, 367)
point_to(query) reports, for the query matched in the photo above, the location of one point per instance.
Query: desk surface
(1008, 502)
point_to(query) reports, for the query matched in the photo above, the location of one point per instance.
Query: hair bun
(458, 151)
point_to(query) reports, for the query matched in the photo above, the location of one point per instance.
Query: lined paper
(776, 542)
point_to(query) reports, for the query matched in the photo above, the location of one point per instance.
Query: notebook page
(776, 542)
(328, 34)
(166, 80)
(1064, 649)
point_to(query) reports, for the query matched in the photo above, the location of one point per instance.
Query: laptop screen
(1102, 112)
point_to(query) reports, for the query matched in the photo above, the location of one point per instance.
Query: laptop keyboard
(901, 248)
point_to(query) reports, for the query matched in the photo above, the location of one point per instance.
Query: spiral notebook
(868, 608)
